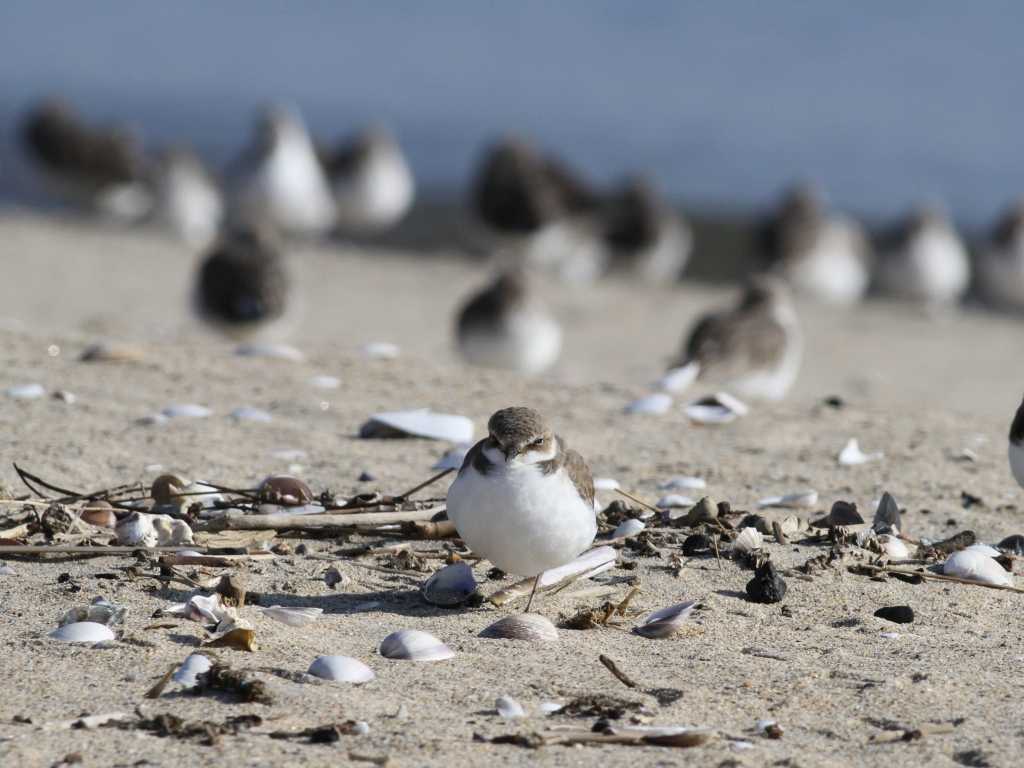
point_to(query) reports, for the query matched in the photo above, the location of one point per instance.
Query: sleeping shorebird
(925, 261)
(372, 183)
(823, 256)
(1001, 264)
(753, 350)
(188, 199)
(523, 499)
(502, 326)
(279, 180)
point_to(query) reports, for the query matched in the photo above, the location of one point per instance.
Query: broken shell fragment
(380, 350)
(683, 483)
(185, 411)
(190, 669)
(135, 530)
(590, 563)
(667, 621)
(285, 490)
(893, 547)
(767, 586)
(976, 566)
(419, 423)
(509, 708)
(674, 501)
(852, 455)
(531, 627)
(341, 669)
(248, 413)
(87, 632)
(99, 611)
(414, 645)
(748, 541)
(656, 403)
(450, 586)
(796, 500)
(627, 528)
(25, 392)
(293, 617)
(887, 517)
(720, 408)
(99, 513)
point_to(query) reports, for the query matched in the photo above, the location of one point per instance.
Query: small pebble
(767, 586)
(366, 477)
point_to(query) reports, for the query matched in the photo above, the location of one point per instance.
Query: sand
(920, 388)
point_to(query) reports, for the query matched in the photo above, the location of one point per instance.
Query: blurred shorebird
(371, 180)
(753, 349)
(1001, 263)
(279, 180)
(100, 168)
(823, 256)
(924, 260)
(188, 199)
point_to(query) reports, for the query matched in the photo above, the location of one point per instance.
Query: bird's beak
(509, 451)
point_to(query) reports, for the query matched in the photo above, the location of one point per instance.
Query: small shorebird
(503, 326)
(823, 256)
(1017, 446)
(643, 234)
(1001, 264)
(753, 350)
(372, 183)
(925, 261)
(99, 168)
(242, 286)
(188, 199)
(523, 499)
(279, 180)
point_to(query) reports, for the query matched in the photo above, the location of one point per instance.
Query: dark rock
(900, 614)
(844, 513)
(767, 586)
(365, 477)
(696, 544)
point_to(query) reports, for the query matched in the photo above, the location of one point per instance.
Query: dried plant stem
(933, 576)
(639, 501)
(612, 667)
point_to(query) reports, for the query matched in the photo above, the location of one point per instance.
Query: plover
(523, 499)
(823, 256)
(1001, 264)
(188, 199)
(372, 183)
(1016, 449)
(279, 179)
(753, 349)
(99, 168)
(644, 235)
(242, 286)
(503, 326)
(924, 260)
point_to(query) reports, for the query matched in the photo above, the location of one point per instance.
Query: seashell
(1013, 544)
(656, 403)
(270, 351)
(246, 413)
(674, 501)
(99, 513)
(421, 422)
(325, 382)
(588, 564)
(890, 635)
(767, 586)
(749, 540)
(293, 617)
(203, 608)
(450, 586)
(414, 645)
(976, 566)
(679, 379)
(152, 420)
(606, 484)
(99, 611)
(381, 350)
(285, 490)
(6, 570)
(190, 669)
(720, 408)
(453, 458)
(83, 632)
(985, 549)
(550, 707)
(341, 669)
(852, 455)
(170, 532)
(25, 392)
(683, 483)
(667, 621)
(111, 352)
(893, 547)
(509, 708)
(185, 411)
(627, 528)
(887, 516)
(795, 500)
(135, 530)
(531, 627)
(359, 728)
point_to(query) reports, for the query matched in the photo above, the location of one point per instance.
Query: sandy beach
(920, 388)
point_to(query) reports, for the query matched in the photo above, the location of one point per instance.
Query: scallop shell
(748, 540)
(271, 351)
(976, 566)
(667, 621)
(414, 645)
(195, 665)
(795, 500)
(852, 455)
(419, 423)
(136, 529)
(83, 632)
(341, 669)
(531, 627)
(453, 457)
(627, 528)
(679, 379)
(99, 513)
(293, 617)
(683, 483)
(450, 586)
(246, 413)
(720, 408)
(286, 490)
(509, 708)
(656, 403)
(185, 411)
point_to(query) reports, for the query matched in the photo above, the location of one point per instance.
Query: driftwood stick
(425, 529)
(29, 550)
(320, 523)
(403, 496)
(612, 667)
(639, 501)
(222, 561)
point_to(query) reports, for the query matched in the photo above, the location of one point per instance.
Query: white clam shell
(985, 549)
(627, 528)
(531, 627)
(293, 617)
(893, 547)
(342, 669)
(852, 455)
(720, 408)
(586, 565)
(190, 669)
(683, 483)
(271, 351)
(679, 379)
(185, 411)
(796, 500)
(674, 501)
(414, 645)
(606, 484)
(420, 423)
(509, 708)
(550, 707)
(453, 457)
(667, 621)
(449, 586)
(656, 403)
(246, 413)
(748, 540)
(381, 350)
(204, 608)
(976, 566)
(83, 632)
(25, 392)
(325, 382)
(136, 529)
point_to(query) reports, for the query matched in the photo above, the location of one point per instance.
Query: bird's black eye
(538, 442)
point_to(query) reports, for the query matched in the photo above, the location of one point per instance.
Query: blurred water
(883, 103)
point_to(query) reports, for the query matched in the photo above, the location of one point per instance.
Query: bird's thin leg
(536, 581)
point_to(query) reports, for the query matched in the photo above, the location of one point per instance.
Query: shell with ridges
(667, 621)
(450, 586)
(531, 627)
(414, 645)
